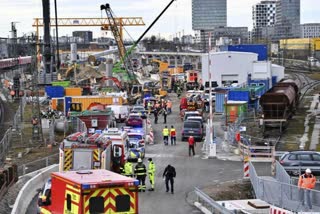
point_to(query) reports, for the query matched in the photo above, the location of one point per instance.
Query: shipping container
(73, 92)
(221, 98)
(261, 50)
(239, 95)
(264, 83)
(85, 101)
(54, 91)
(235, 109)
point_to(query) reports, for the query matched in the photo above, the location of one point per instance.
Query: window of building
(96, 205)
(123, 203)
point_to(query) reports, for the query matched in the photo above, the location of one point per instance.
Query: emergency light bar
(106, 185)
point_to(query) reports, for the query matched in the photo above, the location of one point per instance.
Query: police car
(136, 145)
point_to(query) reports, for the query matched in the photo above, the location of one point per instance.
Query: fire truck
(99, 151)
(90, 191)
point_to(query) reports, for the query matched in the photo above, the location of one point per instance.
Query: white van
(120, 112)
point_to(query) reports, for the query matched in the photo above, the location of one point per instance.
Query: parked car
(192, 128)
(136, 146)
(139, 110)
(191, 114)
(295, 161)
(134, 120)
(196, 118)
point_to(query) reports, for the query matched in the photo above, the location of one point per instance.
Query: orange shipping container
(106, 100)
(70, 92)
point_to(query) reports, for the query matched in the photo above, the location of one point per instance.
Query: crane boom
(127, 53)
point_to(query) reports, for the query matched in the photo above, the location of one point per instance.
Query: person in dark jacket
(141, 172)
(169, 173)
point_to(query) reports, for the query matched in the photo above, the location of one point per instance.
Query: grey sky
(176, 19)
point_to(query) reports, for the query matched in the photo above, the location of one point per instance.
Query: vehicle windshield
(191, 125)
(135, 137)
(134, 117)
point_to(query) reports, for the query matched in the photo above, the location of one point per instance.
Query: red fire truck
(90, 191)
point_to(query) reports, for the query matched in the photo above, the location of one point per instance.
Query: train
(280, 103)
(10, 62)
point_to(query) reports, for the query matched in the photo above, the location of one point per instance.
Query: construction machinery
(163, 66)
(124, 65)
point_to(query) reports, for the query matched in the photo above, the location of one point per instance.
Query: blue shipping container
(239, 95)
(261, 50)
(220, 100)
(54, 91)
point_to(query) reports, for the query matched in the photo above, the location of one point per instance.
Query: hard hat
(139, 160)
(308, 170)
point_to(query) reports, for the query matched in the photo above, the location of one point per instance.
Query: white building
(311, 30)
(228, 67)
(234, 67)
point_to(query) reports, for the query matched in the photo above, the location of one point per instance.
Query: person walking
(169, 174)
(165, 133)
(191, 145)
(169, 106)
(141, 172)
(306, 182)
(164, 115)
(173, 136)
(149, 105)
(151, 172)
(155, 113)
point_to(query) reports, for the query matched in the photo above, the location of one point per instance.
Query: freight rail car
(279, 103)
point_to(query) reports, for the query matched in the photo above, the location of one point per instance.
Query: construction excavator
(124, 65)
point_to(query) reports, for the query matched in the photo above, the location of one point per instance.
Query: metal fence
(281, 194)
(281, 174)
(5, 144)
(38, 164)
(18, 117)
(77, 125)
(209, 203)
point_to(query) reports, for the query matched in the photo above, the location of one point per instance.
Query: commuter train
(7, 63)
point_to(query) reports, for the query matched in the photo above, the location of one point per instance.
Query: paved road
(191, 171)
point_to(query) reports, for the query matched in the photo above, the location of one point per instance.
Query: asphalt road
(191, 171)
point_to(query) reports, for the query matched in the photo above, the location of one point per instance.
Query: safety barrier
(257, 153)
(277, 210)
(246, 167)
(281, 194)
(28, 191)
(209, 203)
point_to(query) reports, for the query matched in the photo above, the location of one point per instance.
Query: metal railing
(281, 194)
(281, 174)
(256, 153)
(209, 203)
(5, 144)
(38, 164)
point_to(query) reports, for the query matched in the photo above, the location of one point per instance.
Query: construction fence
(280, 194)
(38, 164)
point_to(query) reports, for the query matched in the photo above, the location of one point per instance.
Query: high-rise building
(85, 36)
(263, 16)
(208, 14)
(310, 30)
(287, 19)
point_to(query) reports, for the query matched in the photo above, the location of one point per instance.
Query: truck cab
(90, 191)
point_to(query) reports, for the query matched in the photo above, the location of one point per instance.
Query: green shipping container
(64, 84)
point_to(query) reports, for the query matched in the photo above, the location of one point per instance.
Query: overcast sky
(177, 18)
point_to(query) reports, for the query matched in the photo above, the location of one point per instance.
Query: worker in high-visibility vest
(127, 169)
(165, 133)
(173, 135)
(141, 173)
(151, 172)
(306, 183)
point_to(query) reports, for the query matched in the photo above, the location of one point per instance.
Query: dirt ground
(231, 190)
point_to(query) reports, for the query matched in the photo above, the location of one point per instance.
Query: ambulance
(94, 152)
(90, 191)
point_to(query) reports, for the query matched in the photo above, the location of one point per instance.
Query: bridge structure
(173, 58)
